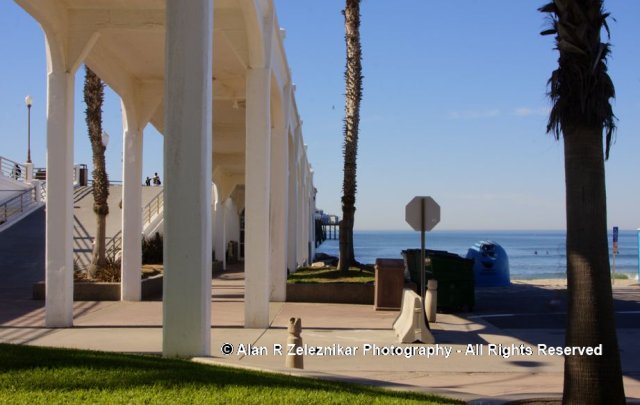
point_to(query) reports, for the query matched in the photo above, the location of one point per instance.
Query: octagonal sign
(414, 210)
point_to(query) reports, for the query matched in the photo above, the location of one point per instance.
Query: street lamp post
(28, 101)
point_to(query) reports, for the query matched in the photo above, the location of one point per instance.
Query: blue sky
(454, 107)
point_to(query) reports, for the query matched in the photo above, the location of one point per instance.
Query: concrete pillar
(279, 210)
(131, 287)
(292, 264)
(215, 220)
(312, 219)
(307, 216)
(37, 190)
(223, 229)
(187, 155)
(299, 230)
(310, 216)
(76, 175)
(257, 247)
(28, 177)
(59, 216)
(303, 218)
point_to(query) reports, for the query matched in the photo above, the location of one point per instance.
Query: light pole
(28, 101)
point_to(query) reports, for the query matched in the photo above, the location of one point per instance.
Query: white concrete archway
(226, 107)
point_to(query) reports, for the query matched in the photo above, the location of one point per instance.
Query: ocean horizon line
(609, 230)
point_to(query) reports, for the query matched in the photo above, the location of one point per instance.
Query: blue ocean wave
(532, 254)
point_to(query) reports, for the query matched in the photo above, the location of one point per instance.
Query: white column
(257, 249)
(187, 155)
(223, 236)
(309, 204)
(293, 201)
(131, 287)
(59, 217)
(28, 177)
(215, 220)
(279, 210)
(312, 218)
(300, 230)
(303, 218)
(76, 175)
(38, 190)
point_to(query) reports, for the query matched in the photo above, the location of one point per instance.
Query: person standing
(16, 172)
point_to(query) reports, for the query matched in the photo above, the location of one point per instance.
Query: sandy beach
(562, 282)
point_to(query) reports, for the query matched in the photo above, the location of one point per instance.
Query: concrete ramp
(10, 188)
(17, 200)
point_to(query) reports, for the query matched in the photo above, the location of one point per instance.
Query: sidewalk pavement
(483, 378)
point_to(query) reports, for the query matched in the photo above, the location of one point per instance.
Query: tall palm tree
(353, 96)
(93, 97)
(580, 90)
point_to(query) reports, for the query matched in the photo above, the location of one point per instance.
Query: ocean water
(532, 254)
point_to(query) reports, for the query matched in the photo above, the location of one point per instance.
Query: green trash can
(454, 274)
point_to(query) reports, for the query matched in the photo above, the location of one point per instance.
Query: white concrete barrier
(431, 300)
(410, 326)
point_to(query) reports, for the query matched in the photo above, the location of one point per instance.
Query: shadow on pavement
(538, 315)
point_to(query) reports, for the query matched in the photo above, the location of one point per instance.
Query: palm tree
(580, 90)
(93, 97)
(353, 96)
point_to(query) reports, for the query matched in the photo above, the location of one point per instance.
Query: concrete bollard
(293, 358)
(431, 300)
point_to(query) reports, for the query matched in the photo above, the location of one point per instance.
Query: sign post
(423, 214)
(638, 237)
(615, 252)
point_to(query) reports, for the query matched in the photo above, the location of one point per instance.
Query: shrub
(111, 271)
(152, 249)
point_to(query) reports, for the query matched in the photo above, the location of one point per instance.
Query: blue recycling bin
(491, 264)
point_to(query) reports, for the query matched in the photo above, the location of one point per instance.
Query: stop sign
(414, 213)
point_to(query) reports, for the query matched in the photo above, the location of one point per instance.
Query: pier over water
(326, 226)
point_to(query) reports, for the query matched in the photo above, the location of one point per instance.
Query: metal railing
(153, 208)
(150, 211)
(43, 191)
(111, 182)
(15, 170)
(17, 205)
(114, 245)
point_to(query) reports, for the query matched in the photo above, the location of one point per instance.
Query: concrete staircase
(84, 220)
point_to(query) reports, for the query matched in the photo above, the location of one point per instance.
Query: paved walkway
(481, 377)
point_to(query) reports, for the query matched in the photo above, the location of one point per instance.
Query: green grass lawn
(31, 375)
(331, 275)
(620, 276)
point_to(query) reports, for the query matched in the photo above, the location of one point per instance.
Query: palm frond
(580, 88)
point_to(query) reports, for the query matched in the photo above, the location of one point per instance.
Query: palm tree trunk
(589, 379)
(353, 87)
(98, 260)
(93, 97)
